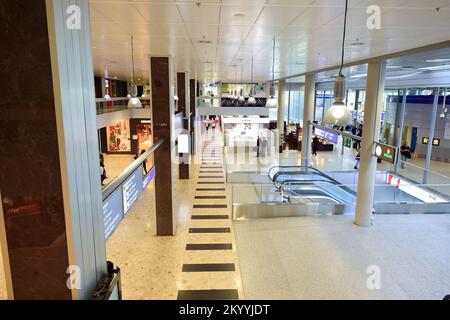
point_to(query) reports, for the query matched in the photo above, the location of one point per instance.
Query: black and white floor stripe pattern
(210, 219)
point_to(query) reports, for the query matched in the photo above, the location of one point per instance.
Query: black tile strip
(209, 267)
(210, 189)
(209, 246)
(210, 217)
(210, 197)
(220, 171)
(210, 182)
(229, 294)
(211, 167)
(209, 230)
(210, 206)
(210, 177)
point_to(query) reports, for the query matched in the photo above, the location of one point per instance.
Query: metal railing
(120, 179)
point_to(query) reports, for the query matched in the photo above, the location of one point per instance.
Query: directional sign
(386, 152)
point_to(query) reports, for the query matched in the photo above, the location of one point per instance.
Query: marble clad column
(181, 87)
(193, 108)
(51, 212)
(165, 157)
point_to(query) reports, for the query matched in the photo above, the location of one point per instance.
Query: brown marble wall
(181, 87)
(30, 179)
(162, 125)
(193, 98)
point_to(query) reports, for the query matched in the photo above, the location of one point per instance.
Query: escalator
(300, 184)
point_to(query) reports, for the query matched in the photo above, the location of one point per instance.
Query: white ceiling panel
(308, 33)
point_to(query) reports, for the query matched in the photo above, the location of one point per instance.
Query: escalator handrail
(293, 173)
(286, 167)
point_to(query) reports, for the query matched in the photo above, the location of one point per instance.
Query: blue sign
(112, 212)
(131, 189)
(148, 178)
(327, 135)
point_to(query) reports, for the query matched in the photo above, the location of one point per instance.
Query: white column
(401, 125)
(308, 117)
(371, 134)
(431, 135)
(281, 109)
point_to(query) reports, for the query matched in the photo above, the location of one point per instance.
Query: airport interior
(225, 150)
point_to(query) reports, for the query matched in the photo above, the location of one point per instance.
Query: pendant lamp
(272, 102)
(134, 101)
(241, 93)
(251, 101)
(338, 114)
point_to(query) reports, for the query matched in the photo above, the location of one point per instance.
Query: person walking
(405, 152)
(357, 161)
(144, 164)
(103, 176)
(258, 143)
(315, 145)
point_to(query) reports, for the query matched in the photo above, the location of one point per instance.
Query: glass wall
(294, 101)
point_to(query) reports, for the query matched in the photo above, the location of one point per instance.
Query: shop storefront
(245, 130)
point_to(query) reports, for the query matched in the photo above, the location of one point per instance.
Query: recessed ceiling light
(437, 60)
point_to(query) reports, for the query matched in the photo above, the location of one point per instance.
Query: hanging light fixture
(272, 102)
(241, 93)
(338, 114)
(107, 97)
(134, 101)
(251, 101)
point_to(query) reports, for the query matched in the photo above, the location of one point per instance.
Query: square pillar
(193, 108)
(165, 157)
(51, 218)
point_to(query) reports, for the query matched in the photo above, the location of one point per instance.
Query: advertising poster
(119, 137)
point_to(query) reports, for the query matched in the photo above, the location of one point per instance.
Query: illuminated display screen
(386, 153)
(112, 213)
(131, 189)
(327, 135)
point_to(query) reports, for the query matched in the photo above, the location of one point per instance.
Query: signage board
(112, 212)
(131, 189)
(386, 152)
(348, 142)
(246, 120)
(183, 143)
(436, 142)
(148, 178)
(327, 135)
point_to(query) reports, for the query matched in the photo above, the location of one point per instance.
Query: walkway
(328, 257)
(211, 270)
